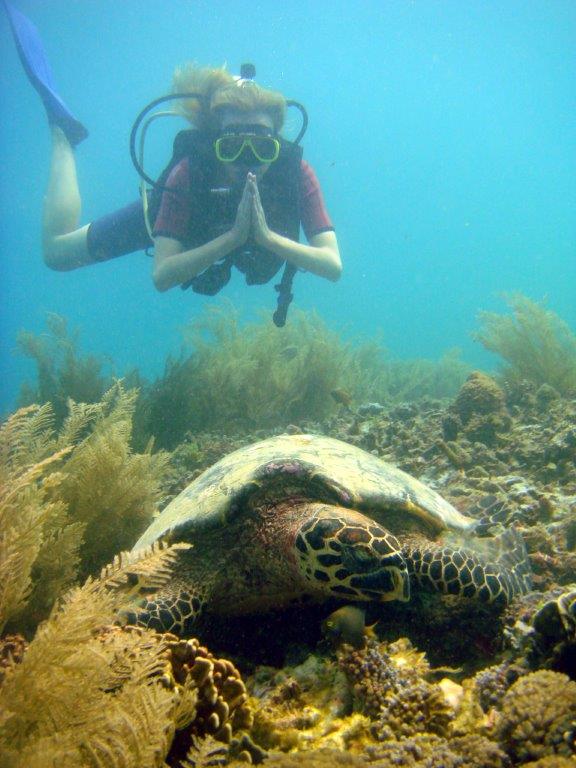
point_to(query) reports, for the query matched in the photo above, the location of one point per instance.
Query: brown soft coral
(389, 686)
(538, 717)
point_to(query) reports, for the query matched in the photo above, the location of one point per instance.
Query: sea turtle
(307, 516)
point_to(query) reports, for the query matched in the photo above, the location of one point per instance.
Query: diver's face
(244, 122)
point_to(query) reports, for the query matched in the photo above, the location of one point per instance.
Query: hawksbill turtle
(307, 516)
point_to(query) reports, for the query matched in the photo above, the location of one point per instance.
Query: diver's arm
(174, 266)
(321, 256)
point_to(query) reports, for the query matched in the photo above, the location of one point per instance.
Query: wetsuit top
(176, 213)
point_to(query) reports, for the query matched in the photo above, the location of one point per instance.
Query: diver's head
(246, 142)
(246, 117)
(222, 93)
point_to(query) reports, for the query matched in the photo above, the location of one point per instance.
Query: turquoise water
(443, 134)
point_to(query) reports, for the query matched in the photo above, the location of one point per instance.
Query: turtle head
(345, 554)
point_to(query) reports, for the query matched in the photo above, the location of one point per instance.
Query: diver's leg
(64, 244)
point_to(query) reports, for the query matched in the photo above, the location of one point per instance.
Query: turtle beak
(402, 584)
(391, 583)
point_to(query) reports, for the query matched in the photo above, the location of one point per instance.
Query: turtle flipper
(493, 579)
(172, 611)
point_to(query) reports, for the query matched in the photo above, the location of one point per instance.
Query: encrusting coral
(538, 717)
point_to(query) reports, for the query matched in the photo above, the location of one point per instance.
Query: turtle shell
(306, 467)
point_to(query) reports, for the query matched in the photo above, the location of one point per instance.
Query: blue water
(443, 133)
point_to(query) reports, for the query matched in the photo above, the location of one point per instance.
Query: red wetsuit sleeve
(313, 214)
(173, 219)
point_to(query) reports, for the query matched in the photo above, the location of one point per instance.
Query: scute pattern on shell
(345, 474)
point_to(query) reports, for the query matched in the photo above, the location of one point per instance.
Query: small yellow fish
(347, 625)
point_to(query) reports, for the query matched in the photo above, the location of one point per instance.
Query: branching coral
(535, 344)
(429, 751)
(539, 717)
(222, 707)
(389, 686)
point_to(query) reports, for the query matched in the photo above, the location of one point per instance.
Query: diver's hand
(243, 222)
(261, 233)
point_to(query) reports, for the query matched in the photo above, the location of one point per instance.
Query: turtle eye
(358, 559)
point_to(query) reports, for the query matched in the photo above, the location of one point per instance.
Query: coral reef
(389, 686)
(74, 490)
(538, 717)
(221, 707)
(75, 699)
(491, 684)
(86, 692)
(429, 751)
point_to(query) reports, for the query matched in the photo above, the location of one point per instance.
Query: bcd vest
(214, 207)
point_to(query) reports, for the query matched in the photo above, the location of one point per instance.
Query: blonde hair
(220, 91)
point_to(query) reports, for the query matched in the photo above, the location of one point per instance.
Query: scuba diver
(235, 193)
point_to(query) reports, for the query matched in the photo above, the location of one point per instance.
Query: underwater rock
(480, 395)
(538, 717)
(370, 409)
(540, 628)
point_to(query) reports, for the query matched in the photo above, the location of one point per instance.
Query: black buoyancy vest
(215, 208)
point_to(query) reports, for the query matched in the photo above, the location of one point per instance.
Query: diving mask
(246, 144)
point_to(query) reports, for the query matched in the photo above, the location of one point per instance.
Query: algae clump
(534, 342)
(62, 371)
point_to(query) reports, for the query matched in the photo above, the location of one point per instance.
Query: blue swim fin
(33, 58)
